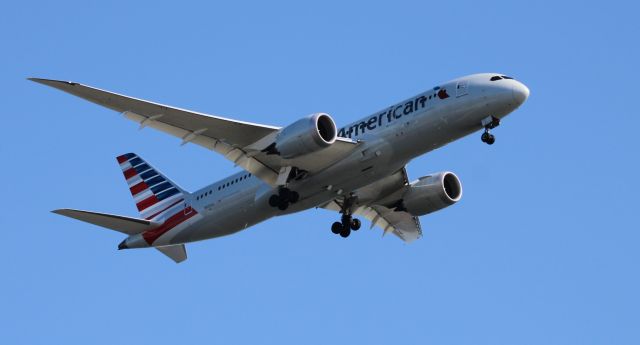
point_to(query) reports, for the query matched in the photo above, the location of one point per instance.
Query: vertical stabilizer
(154, 194)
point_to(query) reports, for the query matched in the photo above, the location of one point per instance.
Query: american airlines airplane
(356, 170)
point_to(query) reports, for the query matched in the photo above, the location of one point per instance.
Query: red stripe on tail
(150, 201)
(173, 221)
(130, 173)
(138, 188)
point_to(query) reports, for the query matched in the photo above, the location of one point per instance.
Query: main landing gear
(345, 226)
(347, 222)
(284, 198)
(489, 123)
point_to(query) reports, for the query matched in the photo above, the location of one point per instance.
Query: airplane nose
(520, 93)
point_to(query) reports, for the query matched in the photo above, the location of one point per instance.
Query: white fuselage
(390, 139)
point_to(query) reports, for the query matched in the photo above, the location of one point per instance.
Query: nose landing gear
(489, 123)
(284, 198)
(487, 137)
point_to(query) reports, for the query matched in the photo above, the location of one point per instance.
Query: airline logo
(393, 113)
(153, 194)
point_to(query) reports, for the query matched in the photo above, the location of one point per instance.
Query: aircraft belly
(230, 215)
(373, 163)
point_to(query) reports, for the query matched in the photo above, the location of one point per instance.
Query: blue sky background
(543, 248)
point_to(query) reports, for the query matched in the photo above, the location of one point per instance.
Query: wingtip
(40, 80)
(63, 211)
(37, 80)
(51, 82)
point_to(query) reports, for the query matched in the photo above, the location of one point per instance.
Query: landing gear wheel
(284, 197)
(285, 193)
(347, 222)
(336, 228)
(283, 205)
(488, 138)
(294, 197)
(489, 124)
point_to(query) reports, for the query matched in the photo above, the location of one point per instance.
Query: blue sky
(543, 248)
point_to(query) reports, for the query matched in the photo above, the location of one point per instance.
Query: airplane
(355, 170)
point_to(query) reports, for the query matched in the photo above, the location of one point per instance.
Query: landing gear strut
(489, 124)
(284, 198)
(347, 222)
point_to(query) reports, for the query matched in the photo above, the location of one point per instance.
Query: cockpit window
(505, 77)
(495, 77)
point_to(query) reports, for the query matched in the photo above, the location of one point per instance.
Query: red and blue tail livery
(154, 194)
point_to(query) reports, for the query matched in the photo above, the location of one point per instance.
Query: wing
(238, 141)
(379, 210)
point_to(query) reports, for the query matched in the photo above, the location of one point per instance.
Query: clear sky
(543, 248)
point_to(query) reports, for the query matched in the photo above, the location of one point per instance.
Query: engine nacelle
(309, 134)
(432, 193)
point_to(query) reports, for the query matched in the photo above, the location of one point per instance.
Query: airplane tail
(154, 194)
(161, 204)
(133, 227)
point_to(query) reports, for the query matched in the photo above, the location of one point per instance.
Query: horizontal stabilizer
(176, 252)
(126, 225)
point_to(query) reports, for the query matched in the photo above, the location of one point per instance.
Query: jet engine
(309, 134)
(432, 193)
